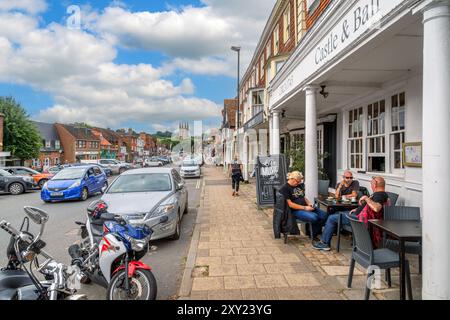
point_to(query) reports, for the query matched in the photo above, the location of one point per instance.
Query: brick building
(79, 143)
(51, 151)
(229, 124)
(130, 139)
(150, 144)
(285, 29)
(118, 148)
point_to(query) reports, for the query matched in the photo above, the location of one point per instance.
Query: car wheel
(41, 183)
(177, 234)
(121, 170)
(84, 194)
(16, 188)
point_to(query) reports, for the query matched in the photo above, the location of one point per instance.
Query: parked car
(147, 195)
(153, 162)
(115, 166)
(15, 185)
(75, 183)
(39, 178)
(190, 169)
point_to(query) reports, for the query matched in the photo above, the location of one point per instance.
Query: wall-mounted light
(323, 92)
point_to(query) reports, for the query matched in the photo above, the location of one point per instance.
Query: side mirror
(180, 186)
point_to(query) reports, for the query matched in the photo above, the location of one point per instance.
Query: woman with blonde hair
(303, 209)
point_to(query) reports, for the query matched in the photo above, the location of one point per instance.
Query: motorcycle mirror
(37, 215)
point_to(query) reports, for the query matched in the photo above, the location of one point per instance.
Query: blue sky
(141, 64)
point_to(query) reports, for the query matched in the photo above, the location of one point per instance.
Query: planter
(323, 187)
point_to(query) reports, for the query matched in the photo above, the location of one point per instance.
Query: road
(166, 258)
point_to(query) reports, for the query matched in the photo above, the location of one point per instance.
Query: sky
(144, 64)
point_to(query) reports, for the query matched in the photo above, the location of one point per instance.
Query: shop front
(383, 68)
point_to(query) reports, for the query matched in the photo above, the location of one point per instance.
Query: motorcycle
(110, 251)
(19, 283)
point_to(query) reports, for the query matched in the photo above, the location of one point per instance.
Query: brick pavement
(238, 258)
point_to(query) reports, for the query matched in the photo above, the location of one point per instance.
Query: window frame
(388, 134)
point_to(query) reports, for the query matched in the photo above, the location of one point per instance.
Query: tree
(21, 137)
(297, 155)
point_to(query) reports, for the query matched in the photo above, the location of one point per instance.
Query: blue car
(75, 183)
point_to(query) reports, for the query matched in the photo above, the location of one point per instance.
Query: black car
(14, 184)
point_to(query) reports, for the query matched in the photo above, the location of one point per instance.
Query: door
(99, 179)
(181, 194)
(91, 181)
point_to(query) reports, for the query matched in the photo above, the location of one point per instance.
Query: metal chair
(393, 197)
(408, 214)
(366, 256)
(362, 192)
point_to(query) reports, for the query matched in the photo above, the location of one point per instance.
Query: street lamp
(238, 50)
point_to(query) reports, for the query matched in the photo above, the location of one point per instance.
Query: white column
(311, 167)
(245, 158)
(436, 151)
(276, 133)
(270, 134)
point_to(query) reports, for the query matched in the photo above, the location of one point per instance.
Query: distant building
(51, 150)
(183, 131)
(79, 143)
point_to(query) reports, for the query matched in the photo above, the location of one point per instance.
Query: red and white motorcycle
(110, 251)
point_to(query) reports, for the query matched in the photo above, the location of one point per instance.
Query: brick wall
(1, 131)
(67, 142)
(311, 17)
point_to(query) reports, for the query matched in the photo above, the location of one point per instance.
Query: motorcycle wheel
(142, 283)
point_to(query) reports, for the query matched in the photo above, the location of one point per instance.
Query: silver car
(190, 169)
(145, 195)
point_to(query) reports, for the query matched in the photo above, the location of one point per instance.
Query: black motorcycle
(17, 280)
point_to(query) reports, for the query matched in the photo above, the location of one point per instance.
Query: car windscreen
(189, 163)
(150, 182)
(70, 174)
(5, 173)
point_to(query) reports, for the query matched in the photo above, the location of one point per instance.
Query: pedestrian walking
(235, 169)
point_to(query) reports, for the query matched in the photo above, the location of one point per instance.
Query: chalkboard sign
(270, 173)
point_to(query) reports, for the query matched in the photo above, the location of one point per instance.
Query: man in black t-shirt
(348, 186)
(376, 202)
(294, 192)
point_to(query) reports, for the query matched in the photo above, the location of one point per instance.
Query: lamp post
(238, 50)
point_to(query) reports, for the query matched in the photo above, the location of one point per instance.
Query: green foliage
(297, 155)
(21, 137)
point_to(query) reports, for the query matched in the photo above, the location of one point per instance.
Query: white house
(385, 65)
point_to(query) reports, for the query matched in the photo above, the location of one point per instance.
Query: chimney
(2, 116)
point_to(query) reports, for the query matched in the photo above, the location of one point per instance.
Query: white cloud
(29, 6)
(197, 39)
(77, 67)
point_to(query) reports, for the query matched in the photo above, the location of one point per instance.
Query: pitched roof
(47, 130)
(81, 133)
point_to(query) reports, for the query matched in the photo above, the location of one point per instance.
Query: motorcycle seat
(10, 281)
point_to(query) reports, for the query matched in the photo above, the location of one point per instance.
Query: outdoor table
(336, 206)
(402, 231)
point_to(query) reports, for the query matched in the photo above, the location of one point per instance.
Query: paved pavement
(234, 256)
(167, 257)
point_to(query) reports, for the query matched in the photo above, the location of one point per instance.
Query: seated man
(375, 202)
(301, 207)
(348, 186)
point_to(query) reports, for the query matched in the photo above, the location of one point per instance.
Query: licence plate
(57, 194)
